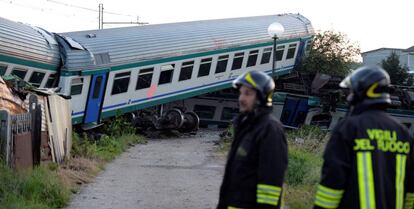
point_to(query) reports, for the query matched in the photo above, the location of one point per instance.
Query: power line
(88, 9)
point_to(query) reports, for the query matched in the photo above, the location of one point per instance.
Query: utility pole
(101, 20)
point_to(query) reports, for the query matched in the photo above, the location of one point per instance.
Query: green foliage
(331, 53)
(118, 126)
(398, 74)
(33, 189)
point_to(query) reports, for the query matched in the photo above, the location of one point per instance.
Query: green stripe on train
(14, 60)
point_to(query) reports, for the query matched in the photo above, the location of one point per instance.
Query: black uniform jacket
(256, 163)
(368, 163)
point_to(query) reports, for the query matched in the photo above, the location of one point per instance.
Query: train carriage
(123, 70)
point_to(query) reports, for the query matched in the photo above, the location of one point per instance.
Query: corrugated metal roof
(139, 43)
(29, 43)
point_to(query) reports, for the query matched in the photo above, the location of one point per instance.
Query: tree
(331, 53)
(398, 74)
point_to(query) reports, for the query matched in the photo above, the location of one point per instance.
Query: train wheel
(191, 122)
(175, 119)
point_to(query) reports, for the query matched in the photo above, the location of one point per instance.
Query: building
(375, 57)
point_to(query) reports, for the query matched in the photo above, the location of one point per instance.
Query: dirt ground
(173, 173)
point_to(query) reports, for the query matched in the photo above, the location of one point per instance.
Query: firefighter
(257, 159)
(368, 159)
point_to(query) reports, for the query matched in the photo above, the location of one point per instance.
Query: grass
(39, 188)
(50, 186)
(305, 161)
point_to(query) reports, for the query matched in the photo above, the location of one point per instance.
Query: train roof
(25, 42)
(120, 46)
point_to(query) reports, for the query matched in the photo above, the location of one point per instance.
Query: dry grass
(78, 171)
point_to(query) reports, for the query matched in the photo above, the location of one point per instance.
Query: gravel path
(163, 174)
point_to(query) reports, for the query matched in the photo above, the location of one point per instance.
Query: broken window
(144, 78)
(166, 74)
(36, 78)
(121, 83)
(21, 73)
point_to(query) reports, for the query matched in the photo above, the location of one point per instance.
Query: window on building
(205, 66)
(21, 73)
(291, 51)
(144, 78)
(76, 86)
(36, 78)
(205, 111)
(251, 61)
(267, 52)
(121, 83)
(237, 61)
(3, 69)
(222, 63)
(50, 80)
(186, 71)
(166, 74)
(279, 52)
(229, 113)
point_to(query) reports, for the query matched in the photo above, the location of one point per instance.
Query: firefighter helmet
(368, 85)
(262, 83)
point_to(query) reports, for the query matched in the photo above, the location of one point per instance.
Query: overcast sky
(371, 24)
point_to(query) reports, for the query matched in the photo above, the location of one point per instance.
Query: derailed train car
(125, 70)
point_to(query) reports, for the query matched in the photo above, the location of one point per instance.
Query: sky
(371, 24)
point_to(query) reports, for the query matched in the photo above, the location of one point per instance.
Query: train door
(294, 111)
(95, 97)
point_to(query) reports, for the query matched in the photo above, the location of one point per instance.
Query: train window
(205, 66)
(279, 52)
(3, 69)
(291, 51)
(36, 78)
(121, 83)
(186, 71)
(76, 86)
(229, 113)
(267, 52)
(204, 111)
(50, 80)
(308, 46)
(21, 73)
(222, 63)
(251, 61)
(166, 74)
(97, 87)
(237, 61)
(144, 78)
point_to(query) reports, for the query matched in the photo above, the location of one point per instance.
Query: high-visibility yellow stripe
(269, 187)
(365, 181)
(231, 207)
(409, 201)
(326, 202)
(329, 191)
(399, 180)
(327, 197)
(268, 194)
(249, 79)
(371, 93)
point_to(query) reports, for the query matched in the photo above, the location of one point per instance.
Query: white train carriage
(121, 70)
